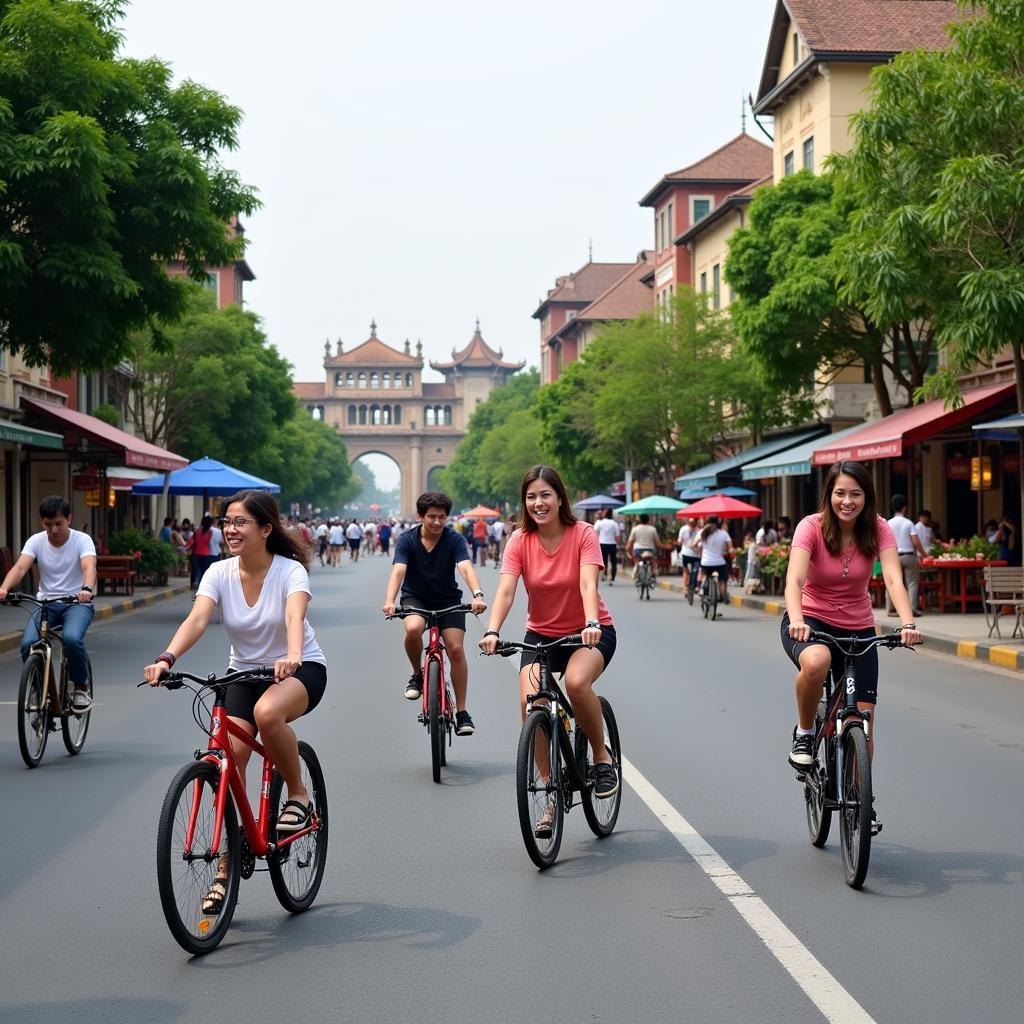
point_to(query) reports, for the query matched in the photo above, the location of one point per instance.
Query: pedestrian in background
(909, 549)
(608, 534)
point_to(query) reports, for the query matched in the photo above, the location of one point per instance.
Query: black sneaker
(876, 822)
(802, 754)
(606, 781)
(414, 688)
(464, 724)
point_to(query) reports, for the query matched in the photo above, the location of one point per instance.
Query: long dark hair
(549, 476)
(865, 529)
(262, 507)
(711, 525)
(206, 522)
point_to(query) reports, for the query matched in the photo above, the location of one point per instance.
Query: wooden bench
(1003, 589)
(113, 572)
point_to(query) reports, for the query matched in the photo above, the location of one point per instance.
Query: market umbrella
(694, 494)
(597, 501)
(205, 477)
(722, 505)
(657, 504)
(481, 512)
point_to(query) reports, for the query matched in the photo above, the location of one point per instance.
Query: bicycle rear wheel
(855, 807)
(601, 815)
(74, 726)
(435, 724)
(185, 876)
(33, 712)
(819, 816)
(537, 789)
(713, 598)
(296, 870)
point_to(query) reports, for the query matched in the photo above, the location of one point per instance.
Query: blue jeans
(76, 619)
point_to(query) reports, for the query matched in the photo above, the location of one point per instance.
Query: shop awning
(793, 461)
(18, 433)
(1006, 429)
(78, 426)
(707, 476)
(888, 437)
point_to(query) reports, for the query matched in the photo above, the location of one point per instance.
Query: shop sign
(958, 468)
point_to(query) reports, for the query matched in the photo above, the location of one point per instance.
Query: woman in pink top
(559, 560)
(830, 564)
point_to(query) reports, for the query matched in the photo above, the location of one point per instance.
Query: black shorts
(865, 666)
(558, 657)
(453, 620)
(354, 543)
(241, 699)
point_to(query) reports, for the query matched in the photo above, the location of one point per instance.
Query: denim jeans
(76, 619)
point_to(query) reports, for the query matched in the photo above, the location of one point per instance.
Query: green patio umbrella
(654, 504)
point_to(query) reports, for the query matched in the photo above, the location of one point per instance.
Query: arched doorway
(381, 493)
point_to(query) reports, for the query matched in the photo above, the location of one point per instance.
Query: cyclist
(354, 533)
(715, 553)
(67, 565)
(688, 538)
(831, 561)
(643, 542)
(608, 534)
(263, 592)
(426, 560)
(559, 560)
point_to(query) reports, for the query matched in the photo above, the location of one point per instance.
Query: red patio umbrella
(719, 505)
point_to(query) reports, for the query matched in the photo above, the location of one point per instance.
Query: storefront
(16, 443)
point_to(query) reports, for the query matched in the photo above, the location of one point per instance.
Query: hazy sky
(427, 163)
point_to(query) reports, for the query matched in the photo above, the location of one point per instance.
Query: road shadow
(905, 873)
(333, 925)
(584, 854)
(83, 1011)
(470, 773)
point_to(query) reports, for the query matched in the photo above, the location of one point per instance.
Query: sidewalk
(965, 636)
(106, 607)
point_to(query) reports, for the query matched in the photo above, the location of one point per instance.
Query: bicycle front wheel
(186, 872)
(855, 807)
(601, 815)
(435, 723)
(537, 789)
(74, 726)
(296, 870)
(33, 712)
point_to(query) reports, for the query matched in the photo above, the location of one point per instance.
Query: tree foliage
(107, 172)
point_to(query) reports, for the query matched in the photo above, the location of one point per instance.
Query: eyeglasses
(239, 522)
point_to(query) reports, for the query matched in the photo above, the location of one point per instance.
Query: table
(960, 597)
(114, 571)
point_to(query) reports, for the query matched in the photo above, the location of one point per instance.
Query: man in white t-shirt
(643, 541)
(688, 553)
(909, 548)
(336, 536)
(67, 568)
(354, 533)
(608, 533)
(497, 531)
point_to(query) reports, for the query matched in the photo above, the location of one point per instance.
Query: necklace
(847, 556)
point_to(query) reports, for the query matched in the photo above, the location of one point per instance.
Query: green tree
(793, 312)
(107, 172)
(507, 451)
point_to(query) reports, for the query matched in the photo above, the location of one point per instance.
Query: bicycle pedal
(801, 776)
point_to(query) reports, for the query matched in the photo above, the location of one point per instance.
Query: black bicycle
(839, 779)
(553, 761)
(643, 576)
(709, 594)
(45, 697)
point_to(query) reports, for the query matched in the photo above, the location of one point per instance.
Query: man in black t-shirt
(426, 560)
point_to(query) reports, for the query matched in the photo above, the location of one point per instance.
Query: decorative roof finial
(327, 348)
(339, 349)
(373, 328)
(419, 348)
(590, 250)
(478, 325)
(407, 352)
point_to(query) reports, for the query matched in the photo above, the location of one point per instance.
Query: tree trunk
(882, 395)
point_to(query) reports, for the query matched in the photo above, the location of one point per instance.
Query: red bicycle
(200, 852)
(438, 713)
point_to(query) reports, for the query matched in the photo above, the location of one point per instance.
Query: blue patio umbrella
(695, 494)
(206, 477)
(597, 501)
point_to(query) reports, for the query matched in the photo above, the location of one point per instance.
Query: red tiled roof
(477, 354)
(373, 352)
(625, 299)
(585, 285)
(304, 389)
(749, 190)
(741, 159)
(740, 198)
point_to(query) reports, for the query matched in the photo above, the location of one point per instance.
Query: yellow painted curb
(772, 606)
(967, 648)
(1005, 656)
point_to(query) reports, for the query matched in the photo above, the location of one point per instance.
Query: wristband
(909, 625)
(167, 658)
(478, 593)
(592, 624)
(86, 588)
(492, 632)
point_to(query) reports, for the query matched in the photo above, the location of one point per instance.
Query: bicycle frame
(44, 646)
(548, 690)
(435, 652)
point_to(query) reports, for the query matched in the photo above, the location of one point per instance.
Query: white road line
(834, 1002)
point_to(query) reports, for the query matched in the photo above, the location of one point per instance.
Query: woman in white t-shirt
(263, 591)
(715, 552)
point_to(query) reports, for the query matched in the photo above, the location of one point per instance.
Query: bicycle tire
(73, 727)
(183, 883)
(819, 816)
(297, 870)
(533, 795)
(33, 711)
(713, 598)
(601, 815)
(689, 594)
(434, 723)
(855, 807)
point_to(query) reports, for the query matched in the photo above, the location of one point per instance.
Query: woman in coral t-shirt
(830, 564)
(559, 560)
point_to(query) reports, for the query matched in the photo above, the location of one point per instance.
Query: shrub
(155, 560)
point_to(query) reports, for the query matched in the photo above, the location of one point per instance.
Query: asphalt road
(430, 909)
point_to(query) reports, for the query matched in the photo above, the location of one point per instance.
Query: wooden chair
(114, 572)
(1003, 588)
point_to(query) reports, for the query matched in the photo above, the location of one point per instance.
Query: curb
(12, 641)
(974, 650)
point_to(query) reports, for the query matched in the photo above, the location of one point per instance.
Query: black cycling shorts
(241, 699)
(865, 666)
(558, 657)
(453, 620)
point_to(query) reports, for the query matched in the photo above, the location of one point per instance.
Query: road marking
(834, 1002)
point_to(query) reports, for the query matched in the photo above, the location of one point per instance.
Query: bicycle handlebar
(401, 613)
(176, 680)
(506, 648)
(16, 598)
(855, 646)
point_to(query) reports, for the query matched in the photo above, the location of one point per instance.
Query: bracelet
(167, 658)
(592, 624)
(492, 632)
(909, 625)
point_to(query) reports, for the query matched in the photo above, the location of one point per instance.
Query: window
(362, 415)
(350, 380)
(787, 164)
(428, 416)
(385, 380)
(386, 415)
(375, 415)
(796, 49)
(704, 283)
(374, 380)
(408, 380)
(398, 414)
(362, 378)
(352, 415)
(3, 359)
(448, 415)
(337, 379)
(570, 315)
(809, 153)
(670, 225)
(716, 286)
(700, 207)
(657, 232)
